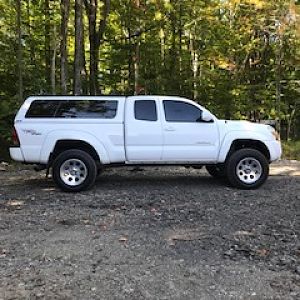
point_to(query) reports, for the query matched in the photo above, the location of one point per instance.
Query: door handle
(170, 128)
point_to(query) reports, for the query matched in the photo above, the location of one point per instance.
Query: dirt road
(162, 233)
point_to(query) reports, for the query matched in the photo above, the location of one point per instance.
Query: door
(143, 130)
(186, 136)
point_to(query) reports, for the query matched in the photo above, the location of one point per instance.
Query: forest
(239, 58)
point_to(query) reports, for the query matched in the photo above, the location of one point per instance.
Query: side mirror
(207, 116)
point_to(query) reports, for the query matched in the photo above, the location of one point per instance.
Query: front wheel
(247, 169)
(74, 171)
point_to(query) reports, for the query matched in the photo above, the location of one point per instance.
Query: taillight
(15, 138)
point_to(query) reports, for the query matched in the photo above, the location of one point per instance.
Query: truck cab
(169, 130)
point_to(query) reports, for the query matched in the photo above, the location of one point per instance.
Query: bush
(291, 150)
(4, 150)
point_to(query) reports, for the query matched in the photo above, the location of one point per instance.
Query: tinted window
(87, 109)
(145, 110)
(177, 111)
(72, 109)
(42, 109)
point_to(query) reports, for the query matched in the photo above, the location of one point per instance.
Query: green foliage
(237, 57)
(291, 150)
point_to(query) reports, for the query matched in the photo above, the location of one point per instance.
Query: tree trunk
(20, 52)
(78, 62)
(84, 71)
(100, 33)
(53, 71)
(47, 44)
(129, 45)
(278, 75)
(30, 40)
(173, 68)
(162, 48)
(194, 66)
(161, 82)
(137, 86)
(95, 37)
(180, 33)
(65, 9)
(92, 14)
(53, 62)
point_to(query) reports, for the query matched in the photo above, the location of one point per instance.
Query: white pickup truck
(78, 136)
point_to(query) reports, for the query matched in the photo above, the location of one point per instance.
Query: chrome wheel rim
(73, 172)
(249, 170)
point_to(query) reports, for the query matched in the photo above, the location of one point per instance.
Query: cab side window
(178, 111)
(145, 110)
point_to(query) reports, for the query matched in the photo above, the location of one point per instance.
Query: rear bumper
(275, 150)
(16, 154)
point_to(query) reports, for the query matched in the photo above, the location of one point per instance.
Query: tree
(78, 61)
(65, 10)
(47, 48)
(20, 50)
(96, 32)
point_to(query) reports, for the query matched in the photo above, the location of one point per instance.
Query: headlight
(276, 135)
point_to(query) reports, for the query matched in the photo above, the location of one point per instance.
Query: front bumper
(274, 149)
(16, 154)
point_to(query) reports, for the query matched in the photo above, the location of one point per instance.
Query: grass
(291, 150)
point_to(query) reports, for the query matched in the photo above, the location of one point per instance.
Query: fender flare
(231, 137)
(54, 136)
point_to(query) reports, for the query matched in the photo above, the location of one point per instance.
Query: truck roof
(108, 97)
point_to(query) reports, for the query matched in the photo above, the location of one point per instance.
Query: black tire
(216, 171)
(74, 171)
(247, 169)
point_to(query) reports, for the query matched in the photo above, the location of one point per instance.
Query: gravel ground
(157, 233)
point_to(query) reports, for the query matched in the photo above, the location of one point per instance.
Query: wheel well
(64, 145)
(252, 144)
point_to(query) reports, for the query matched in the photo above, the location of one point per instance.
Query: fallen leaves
(262, 252)
(246, 251)
(14, 204)
(67, 222)
(123, 239)
(103, 227)
(3, 252)
(185, 235)
(3, 166)
(244, 233)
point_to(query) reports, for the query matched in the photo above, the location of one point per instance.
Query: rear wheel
(216, 171)
(247, 169)
(74, 171)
